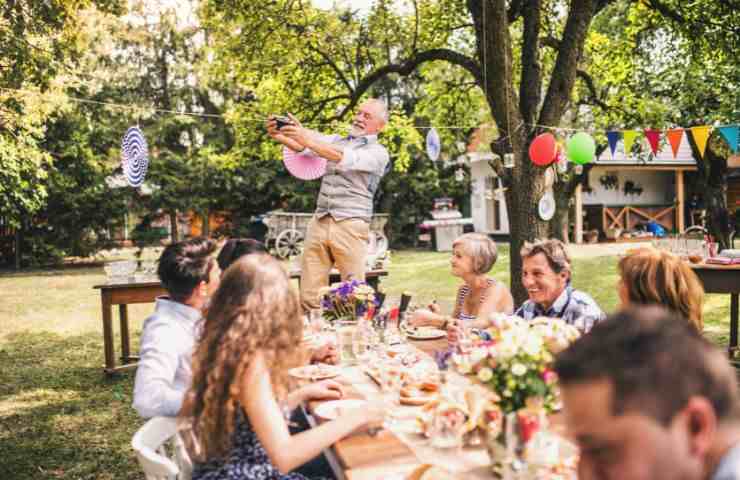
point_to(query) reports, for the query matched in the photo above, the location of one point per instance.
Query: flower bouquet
(515, 363)
(347, 300)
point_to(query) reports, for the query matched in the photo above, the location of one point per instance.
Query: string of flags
(674, 136)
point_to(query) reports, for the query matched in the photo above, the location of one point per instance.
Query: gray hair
(480, 248)
(382, 108)
(553, 250)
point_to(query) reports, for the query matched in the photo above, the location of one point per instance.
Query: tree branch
(406, 68)
(515, 10)
(595, 98)
(332, 64)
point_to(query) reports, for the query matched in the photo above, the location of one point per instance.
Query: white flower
(518, 369)
(532, 345)
(464, 367)
(507, 349)
(485, 374)
(477, 355)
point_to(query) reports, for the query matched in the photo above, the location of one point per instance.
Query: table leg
(733, 322)
(110, 360)
(125, 341)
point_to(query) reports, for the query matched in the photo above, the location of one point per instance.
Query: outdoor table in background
(126, 293)
(723, 279)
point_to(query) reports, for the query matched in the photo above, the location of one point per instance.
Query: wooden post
(578, 229)
(679, 197)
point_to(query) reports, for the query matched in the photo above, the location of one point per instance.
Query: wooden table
(372, 277)
(123, 294)
(126, 293)
(723, 279)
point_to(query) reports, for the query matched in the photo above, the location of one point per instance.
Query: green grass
(59, 416)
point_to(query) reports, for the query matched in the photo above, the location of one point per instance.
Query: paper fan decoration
(434, 145)
(306, 166)
(134, 156)
(546, 206)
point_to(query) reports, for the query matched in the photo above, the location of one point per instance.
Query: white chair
(149, 443)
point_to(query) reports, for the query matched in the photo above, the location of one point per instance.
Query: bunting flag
(629, 139)
(613, 138)
(653, 137)
(730, 132)
(701, 135)
(674, 138)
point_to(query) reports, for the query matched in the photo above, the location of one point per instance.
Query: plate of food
(430, 472)
(319, 371)
(425, 333)
(331, 410)
(418, 394)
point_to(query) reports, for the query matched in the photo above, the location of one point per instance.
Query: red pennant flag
(653, 137)
(674, 137)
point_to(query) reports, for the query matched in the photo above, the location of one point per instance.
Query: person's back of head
(653, 277)
(235, 248)
(183, 265)
(655, 362)
(254, 310)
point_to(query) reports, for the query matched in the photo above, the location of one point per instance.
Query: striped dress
(462, 295)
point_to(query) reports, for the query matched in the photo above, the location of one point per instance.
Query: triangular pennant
(629, 139)
(730, 132)
(653, 137)
(701, 135)
(613, 138)
(674, 138)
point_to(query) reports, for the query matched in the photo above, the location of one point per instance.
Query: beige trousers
(331, 243)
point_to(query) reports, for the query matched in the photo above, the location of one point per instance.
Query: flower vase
(346, 330)
(507, 444)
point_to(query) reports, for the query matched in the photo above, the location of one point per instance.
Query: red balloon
(543, 149)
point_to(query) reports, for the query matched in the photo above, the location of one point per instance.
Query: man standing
(546, 275)
(647, 398)
(339, 231)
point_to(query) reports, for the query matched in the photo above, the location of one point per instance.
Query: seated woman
(473, 256)
(235, 248)
(235, 408)
(653, 277)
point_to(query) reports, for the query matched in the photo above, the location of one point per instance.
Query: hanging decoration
(305, 166)
(134, 156)
(701, 135)
(459, 174)
(730, 132)
(543, 149)
(581, 148)
(613, 138)
(434, 146)
(546, 206)
(675, 135)
(653, 137)
(629, 138)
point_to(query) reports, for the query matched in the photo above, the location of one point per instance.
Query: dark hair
(235, 248)
(655, 361)
(183, 265)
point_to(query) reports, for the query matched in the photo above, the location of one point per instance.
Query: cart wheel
(377, 244)
(288, 243)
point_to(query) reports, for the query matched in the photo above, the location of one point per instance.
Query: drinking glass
(345, 335)
(316, 320)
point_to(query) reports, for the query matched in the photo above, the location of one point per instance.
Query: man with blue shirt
(339, 231)
(646, 397)
(546, 275)
(190, 274)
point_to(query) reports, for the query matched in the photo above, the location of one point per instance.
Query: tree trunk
(559, 224)
(174, 236)
(206, 230)
(18, 241)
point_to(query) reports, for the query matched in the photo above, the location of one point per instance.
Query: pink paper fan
(306, 166)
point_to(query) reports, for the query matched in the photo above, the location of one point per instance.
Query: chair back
(151, 444)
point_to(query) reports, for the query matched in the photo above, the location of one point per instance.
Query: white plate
(315, 372)
(331, 410)
(425, 333)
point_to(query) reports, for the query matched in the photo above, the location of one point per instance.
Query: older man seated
(546, 275)
(646, 397)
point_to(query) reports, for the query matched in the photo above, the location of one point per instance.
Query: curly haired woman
(235, 408)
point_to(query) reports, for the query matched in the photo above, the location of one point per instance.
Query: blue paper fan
(134, 156)
(433, 144)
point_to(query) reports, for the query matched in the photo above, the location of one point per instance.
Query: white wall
(657, 187)
(479, 203)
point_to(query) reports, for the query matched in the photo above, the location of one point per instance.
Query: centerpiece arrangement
(347, 300)
(514, 362)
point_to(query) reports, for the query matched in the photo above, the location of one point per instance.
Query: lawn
(59, 416)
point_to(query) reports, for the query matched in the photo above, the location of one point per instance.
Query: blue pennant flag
(730, 132)
(613, 138)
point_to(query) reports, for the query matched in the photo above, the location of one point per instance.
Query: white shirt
(164, 373)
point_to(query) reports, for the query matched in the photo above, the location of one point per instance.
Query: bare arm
(288, 452)
(498, 300)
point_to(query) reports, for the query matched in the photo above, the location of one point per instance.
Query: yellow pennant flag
(629, 139)
(701, 135)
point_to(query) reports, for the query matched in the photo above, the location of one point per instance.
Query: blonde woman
(235, 409)
(473, 256)
(648, 276)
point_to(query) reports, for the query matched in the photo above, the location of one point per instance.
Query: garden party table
(723, 279)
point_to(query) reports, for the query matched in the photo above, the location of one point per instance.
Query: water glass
(345, 336)
(316, 320)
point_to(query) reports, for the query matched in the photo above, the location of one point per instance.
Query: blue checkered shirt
(573, 306)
